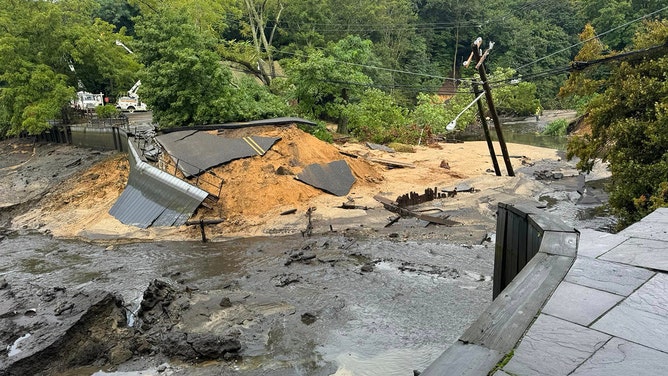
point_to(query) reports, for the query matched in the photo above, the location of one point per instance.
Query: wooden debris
(348, 205)
(395, 208)
(413, 198)
(389, 163)
(202, 222)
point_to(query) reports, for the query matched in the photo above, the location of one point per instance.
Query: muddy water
(325, 315)
(525, 133)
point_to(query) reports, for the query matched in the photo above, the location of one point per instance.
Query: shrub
(556, 128)
(107, 111)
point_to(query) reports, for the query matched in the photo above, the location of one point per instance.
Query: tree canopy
(322, 56)
(46, 50)
(629, 127)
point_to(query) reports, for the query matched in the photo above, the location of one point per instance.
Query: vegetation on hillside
(628, 117)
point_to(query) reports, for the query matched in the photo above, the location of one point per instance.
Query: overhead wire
(383, 68)
(578, 65)
(530, 76)
(592, 38)
(423, 89)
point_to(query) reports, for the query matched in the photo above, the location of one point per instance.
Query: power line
(382, 68)
(423, 89)
(592, 38)
(579, 65)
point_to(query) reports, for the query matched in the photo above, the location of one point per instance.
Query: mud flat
(285, 306)
(82, 293)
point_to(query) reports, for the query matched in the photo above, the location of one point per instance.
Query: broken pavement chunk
(199, 151)
(334, 177)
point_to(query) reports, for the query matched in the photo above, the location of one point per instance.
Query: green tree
(514, 99)
(252, 100)
(183, 80)
(433, 114)
(118, 13)
(377, 118)
(40, 43)
(326, 81)
(629, 129)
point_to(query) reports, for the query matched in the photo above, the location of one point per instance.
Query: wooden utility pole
(488, 96)
(485, 128)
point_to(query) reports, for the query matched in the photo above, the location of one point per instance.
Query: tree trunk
(342, 126)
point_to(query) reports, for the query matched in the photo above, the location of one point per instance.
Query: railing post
(500, 250)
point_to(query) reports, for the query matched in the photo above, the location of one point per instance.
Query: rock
(200, 346)
(444, 164)
(3, 283)
(308, 318)
(282, 170)
(89, 332)
(158, 291)
(225, 302)
(367, 268)
(286, 279)
(119, 354)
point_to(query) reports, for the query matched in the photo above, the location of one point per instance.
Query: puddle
(548, 200)
(391, 362)
(525, 133)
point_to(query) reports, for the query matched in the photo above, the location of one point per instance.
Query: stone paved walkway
(609, 316)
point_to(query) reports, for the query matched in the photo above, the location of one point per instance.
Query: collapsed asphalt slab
(196, 152)
(334, 177)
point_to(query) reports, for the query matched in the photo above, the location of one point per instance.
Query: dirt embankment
(51, 330)
(257, 190)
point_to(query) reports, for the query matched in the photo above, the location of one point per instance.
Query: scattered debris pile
(406, 212)
(267, 185)
(414, 198)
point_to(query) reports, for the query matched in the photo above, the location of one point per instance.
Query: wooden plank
(560, 243)
(510, 267)
(387, 162)
(549, 223)
(510, 314)
(390, 163)
(393, 207)
(534, 238)
(522, 258)
(464, 360)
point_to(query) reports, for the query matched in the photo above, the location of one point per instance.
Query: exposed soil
(257, 190)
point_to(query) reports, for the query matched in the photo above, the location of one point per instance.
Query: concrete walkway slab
(554, 347)
(607, 276)
(622, 358)
(660, 215)
(595, 243)
(648, 230)
(579, 304)
(651, 254)
(642, 317)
